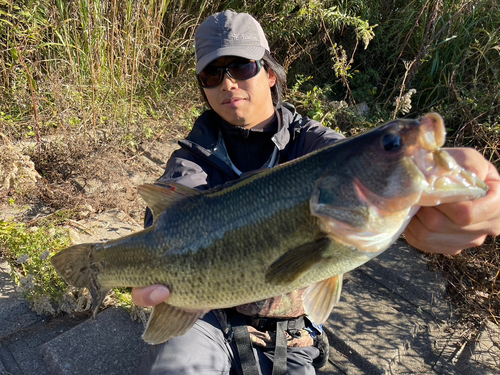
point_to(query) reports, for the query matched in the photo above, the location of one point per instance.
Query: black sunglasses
(241, 70)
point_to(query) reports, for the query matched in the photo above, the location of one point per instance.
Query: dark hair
(279, 72)
(279, 86)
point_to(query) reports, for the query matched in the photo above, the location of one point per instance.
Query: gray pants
(205, 350)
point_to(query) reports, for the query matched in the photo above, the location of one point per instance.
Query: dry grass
(474, 281)
(82, 176)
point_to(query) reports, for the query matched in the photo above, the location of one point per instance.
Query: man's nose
(228, 82)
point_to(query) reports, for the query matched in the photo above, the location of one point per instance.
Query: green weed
(28, 249)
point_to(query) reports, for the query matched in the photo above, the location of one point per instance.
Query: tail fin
(74, 264)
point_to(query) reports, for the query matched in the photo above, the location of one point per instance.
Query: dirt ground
(75, 179)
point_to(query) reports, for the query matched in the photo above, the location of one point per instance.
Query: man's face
(243, 103)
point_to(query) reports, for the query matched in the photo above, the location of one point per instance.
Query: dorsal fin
(160, 196)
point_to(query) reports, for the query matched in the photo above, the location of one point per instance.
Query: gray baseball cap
(229, 34)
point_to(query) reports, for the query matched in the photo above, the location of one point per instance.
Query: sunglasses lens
(211, 76)
(242, 70)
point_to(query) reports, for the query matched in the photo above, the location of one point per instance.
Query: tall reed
(92, 64)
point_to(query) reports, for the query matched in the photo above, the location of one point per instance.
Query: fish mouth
(446, 180)
(375, 216)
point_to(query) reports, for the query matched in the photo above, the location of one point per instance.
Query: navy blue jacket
(201, 163)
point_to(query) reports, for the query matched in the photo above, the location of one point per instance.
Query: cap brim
(252, 53)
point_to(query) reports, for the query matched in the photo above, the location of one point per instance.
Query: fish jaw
(446, 180)
(379, 211)
(378, 234)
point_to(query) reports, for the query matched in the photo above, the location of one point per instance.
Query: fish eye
(391, 142)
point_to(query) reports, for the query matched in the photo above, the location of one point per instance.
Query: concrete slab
(385, 322)
(15, 313)
(393, 280)
(109, 345)
(8, 362)
(103, 227)
(20, 350)
(412, 362)
(393, 317)
(371, 335)
(331, 368)
(340, 363)
(486, 349)
(395, 270)
(477, 354)
(426, 330)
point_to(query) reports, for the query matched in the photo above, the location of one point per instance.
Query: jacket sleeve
(314, 136)
(183, 170)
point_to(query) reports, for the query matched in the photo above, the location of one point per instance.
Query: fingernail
(160, 294)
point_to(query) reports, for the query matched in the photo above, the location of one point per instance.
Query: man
(248, 128)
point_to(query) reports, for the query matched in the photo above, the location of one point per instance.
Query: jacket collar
(286, 115)
(203, 140)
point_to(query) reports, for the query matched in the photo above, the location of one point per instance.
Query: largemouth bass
(300, 225)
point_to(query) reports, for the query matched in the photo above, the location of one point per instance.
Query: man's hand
(449, 228)
(151, 295)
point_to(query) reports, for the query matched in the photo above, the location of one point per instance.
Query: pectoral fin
(167, 321)
(296, 262)
(320, 298)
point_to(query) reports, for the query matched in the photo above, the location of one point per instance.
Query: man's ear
(272, 78)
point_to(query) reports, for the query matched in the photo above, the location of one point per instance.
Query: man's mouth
(232, 100)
